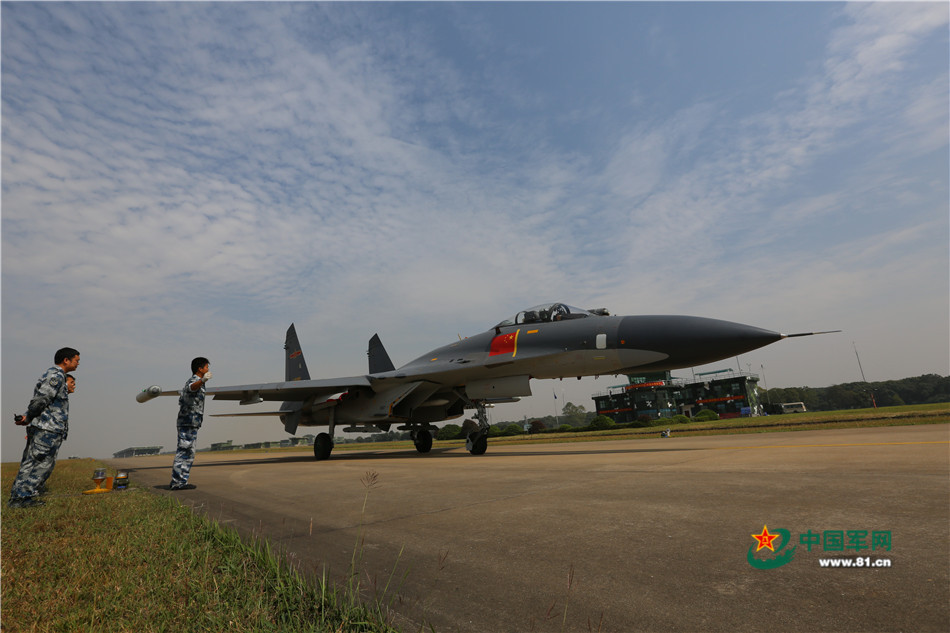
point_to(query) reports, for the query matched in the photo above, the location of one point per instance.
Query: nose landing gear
(477, 441)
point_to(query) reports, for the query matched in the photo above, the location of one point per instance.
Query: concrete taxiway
(638, 535)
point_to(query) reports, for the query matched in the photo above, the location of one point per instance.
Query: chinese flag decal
(505, 344)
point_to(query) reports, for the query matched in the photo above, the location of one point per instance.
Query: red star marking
(765, 539)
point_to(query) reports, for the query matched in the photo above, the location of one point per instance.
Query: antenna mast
(870, 391)
(859, 361)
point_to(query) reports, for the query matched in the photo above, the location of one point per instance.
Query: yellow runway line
(736, 448)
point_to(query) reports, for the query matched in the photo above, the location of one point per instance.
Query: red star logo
(765, 539)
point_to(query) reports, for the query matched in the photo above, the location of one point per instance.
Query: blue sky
(188, 179)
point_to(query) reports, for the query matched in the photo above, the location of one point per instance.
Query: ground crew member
(191, 407)
(47, 417)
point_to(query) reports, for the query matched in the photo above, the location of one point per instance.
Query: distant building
(262, 445)
(135, 451)
(733, 394)
(223, 446)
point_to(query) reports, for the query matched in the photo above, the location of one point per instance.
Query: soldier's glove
(20, 420)
(207, 377)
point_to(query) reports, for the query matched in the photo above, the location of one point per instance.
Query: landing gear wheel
(322, 446)
(477, 443)
(423, 441)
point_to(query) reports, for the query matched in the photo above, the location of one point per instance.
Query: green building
(727, 392)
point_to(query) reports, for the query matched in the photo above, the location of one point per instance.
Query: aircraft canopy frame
(546, 313)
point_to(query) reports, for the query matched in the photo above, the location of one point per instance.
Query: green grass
(134, 561)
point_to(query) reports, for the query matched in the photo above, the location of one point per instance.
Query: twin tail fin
(296, 366)
(379, 361)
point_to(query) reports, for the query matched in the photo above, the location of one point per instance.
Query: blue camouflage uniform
(48, 418)
(191, 408)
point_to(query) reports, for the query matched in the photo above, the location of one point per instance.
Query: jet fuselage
(498, 364)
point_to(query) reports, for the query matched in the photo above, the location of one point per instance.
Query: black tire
(423, 441)
(480, 445)
(322, 446)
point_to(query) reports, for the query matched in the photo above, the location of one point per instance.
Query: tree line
(926, 389)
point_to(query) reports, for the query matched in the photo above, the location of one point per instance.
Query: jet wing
(284, 391)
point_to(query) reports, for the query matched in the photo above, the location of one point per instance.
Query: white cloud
(195, 177)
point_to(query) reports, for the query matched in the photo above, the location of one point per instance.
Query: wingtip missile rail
(148, 393)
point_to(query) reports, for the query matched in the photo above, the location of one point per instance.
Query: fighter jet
(552, 340)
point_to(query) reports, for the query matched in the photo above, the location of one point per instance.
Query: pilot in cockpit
(558, 312)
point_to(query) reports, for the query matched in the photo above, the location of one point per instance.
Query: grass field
(134, 561)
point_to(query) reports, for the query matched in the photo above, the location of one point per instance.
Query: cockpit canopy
(547, 312)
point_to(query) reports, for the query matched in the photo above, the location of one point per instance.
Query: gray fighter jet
(548, 341)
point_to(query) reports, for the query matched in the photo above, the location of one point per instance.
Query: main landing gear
(477, 441)
(322, 446)
(422, 440)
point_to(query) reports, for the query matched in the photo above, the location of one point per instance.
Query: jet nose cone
(691, 341)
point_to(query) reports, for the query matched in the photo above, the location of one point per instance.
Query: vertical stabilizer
(296, 368)
(379, 361)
